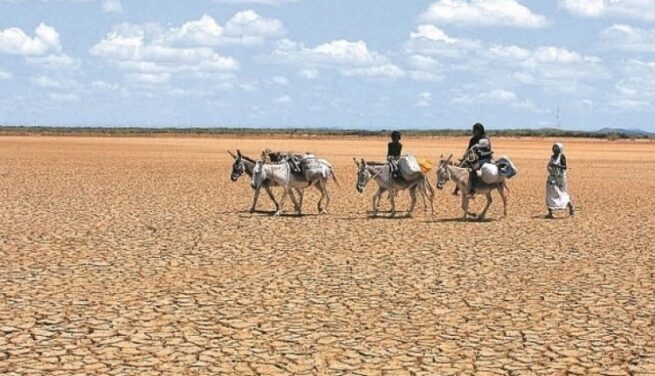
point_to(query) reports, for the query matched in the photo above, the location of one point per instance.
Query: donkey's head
(238, 167)
(363, 175)
(258, 175)
(442, 172)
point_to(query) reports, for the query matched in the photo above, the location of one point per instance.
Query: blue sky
(315, 63)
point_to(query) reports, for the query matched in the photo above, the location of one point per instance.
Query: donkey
(243, 164)
(282, 175)
(382, 174)
(460, 176)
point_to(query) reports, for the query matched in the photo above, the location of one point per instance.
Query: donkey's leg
(501, 192)
(301, 197)
(295, 202)
(326, 193)
(465, 203)
(486, 207)
(320, 187)
(376, 200)
(255, 197)
(282, 200)
(392, 199)
(431, 196)
(270, 194)
(412, 195)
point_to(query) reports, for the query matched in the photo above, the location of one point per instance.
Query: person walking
(557, 195)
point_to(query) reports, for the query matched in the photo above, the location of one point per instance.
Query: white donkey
(244, 165)
(282, 175)
(460, 176)
(381, 173)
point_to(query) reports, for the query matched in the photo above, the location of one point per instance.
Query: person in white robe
(557, 195)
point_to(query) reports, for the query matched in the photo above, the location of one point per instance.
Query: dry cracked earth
(137, 256)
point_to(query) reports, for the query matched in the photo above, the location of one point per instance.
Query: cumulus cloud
(150, 53)
(4, 75)
(636, 88)
(248, 27)
(53, 62)
(628, 38)
(637, 9)
(14, 41)
(552, 67)
(424, 99)
(244, 28)
(112, 6)
(280, 80)
(285, 100)
(482, 13)
(350, 58)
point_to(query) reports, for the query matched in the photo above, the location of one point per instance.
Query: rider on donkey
(480, 148)
(394, 150)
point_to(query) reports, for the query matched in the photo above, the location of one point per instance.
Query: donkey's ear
(239, 153)
(232, 154)
(355, 160)
(363, 162)
(449, 157)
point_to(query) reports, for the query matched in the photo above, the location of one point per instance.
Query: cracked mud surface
(137, 256)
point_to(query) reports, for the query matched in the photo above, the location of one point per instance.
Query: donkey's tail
(334, 177)
(430, 189)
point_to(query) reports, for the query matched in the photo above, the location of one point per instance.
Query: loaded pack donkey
(460, 176)
(382, 173)
(244, 165)
(283, 174)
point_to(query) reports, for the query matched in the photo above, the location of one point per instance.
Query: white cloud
(637, 9)
(54, 62)
(551, 67)
(51, 82)
(149, 78)
(494, 96)
(636, 89)
(432, 33)
(248, 27)
(14, 41)
(149, 53)
(379, 71)
(4, 75)
(285, 99)
(498, 97)
(424, 99)
(628, 38)
(482, 13)
(64, 97)
(112, 6)
(350, 58)
(281, 80)
(245, 28)
(202, 32)
(309, 74)
(430, 40)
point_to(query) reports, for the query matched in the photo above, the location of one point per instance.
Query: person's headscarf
(560, 147)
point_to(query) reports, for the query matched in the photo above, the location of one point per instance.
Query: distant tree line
(309, 132)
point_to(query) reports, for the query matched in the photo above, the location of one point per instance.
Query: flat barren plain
(137, 256)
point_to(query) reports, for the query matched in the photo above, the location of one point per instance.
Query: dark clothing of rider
(394, 150)
(480, 144)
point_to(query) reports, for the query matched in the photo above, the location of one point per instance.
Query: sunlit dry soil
(137, 256)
